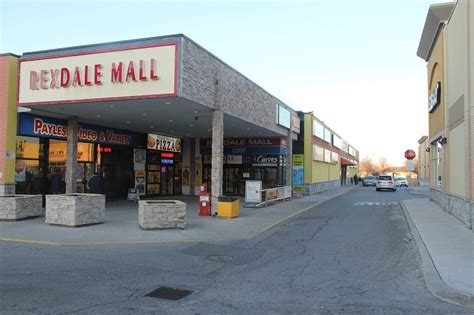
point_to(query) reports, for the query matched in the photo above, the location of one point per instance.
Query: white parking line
(375, 203)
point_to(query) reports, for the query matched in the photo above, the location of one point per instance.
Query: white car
(401, 182)
(385, 182)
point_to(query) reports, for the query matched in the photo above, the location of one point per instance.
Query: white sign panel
(252, 191)
(410, 165)
(234, 159)
(132, 72)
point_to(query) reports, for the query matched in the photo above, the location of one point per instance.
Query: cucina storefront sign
(147, 71)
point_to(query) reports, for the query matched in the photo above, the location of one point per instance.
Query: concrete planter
(75, 209)
(161, 214)
(16, 207)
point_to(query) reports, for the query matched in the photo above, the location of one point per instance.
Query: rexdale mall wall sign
(132, 72)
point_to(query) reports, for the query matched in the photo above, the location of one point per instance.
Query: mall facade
(161, 114)
(447, 45)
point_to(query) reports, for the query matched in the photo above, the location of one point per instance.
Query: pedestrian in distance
(355, 180)
(96, 184)
(352, 181)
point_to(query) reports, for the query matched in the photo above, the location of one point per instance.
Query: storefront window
(29, 167)
(437, 164)
(29, 148)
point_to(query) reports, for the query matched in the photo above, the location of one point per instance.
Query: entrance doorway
(116, 164)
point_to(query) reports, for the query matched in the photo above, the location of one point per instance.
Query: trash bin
(228, 207)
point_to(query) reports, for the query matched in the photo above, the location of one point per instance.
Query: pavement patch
(225, 253)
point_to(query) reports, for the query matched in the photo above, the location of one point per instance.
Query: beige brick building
(447, 45)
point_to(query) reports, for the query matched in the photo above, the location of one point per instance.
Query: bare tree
(366, 165)
(383, 166)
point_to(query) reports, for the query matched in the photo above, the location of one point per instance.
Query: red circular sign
(410, 154)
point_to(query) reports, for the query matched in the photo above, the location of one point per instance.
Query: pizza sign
(163, 143)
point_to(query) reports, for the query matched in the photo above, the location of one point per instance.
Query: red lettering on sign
(131, 72)
(34, 80)
(43, 79)
(86, 76)
(97, 74)
(54, 78)
(153, 76)
(141, 76)
(76, 79)
(117, 72)
(65, 77)
(38, 123)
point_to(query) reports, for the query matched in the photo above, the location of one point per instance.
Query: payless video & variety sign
(132, 72)
(47, 127)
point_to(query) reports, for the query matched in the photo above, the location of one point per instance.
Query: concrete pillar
(71, 159)
(192, 157)
(289, 159)
(8, 122)
(217, 157)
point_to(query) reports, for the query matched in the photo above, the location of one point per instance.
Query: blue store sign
(53, 128)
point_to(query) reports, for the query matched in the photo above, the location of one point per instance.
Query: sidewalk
(446, 248)
(121, 224)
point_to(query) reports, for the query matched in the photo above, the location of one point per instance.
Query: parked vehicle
(369, 181)
(401, 182)
(385, 182)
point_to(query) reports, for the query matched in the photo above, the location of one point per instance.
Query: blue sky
(353, 63)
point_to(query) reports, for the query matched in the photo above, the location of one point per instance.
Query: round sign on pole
(410, 154)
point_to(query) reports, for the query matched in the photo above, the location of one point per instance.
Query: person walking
(355, 179)
(96, 184)
(55, 181)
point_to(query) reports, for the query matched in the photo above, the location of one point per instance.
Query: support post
(71, 159)
(289, 158)
(217, 157)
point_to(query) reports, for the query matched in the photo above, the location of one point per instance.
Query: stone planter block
(75, 209)
(16, 207)
(161, 214)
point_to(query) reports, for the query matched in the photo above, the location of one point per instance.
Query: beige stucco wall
(457, 74)
(470, 105)
(457, 158)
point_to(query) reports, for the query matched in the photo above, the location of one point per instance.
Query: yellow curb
(16, 240)
(129, 242)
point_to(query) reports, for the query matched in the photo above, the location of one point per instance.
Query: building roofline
(128, 42)
(438, 15)
(422, 139)
(9, 54)
(131, 42)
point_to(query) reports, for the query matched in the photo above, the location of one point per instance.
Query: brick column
(71, 159)
(8, 122)
(289, 159)
(217, 156)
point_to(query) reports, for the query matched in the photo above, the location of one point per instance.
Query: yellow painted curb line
(16, 240)
(129, 242)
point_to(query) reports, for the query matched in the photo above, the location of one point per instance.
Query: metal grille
(169, 293)
(220, 258)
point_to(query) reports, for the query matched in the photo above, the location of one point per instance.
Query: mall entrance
(116, 165)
